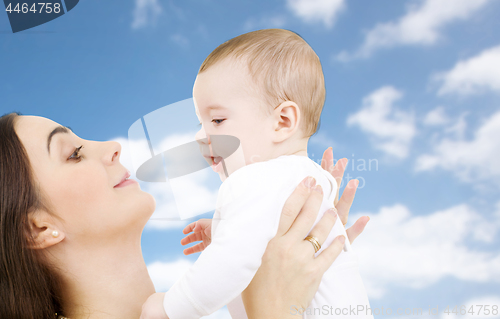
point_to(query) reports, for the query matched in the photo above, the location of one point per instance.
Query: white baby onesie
(247, 214)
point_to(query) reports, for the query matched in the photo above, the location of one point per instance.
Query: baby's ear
(43, 230)
(287, 120)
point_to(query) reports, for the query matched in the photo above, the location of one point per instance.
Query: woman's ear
(43, 230)
(287, 120)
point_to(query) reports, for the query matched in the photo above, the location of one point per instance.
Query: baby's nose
(201, 137)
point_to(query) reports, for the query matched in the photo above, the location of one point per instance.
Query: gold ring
(314, 242)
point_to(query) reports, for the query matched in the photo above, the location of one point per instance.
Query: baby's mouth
(213, 160)
(216, 160)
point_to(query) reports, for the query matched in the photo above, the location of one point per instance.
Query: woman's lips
(125, 181)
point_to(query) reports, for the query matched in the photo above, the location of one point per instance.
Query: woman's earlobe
(43, 232)
(46, 238)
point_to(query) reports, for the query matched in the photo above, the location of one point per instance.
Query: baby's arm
(228, 264)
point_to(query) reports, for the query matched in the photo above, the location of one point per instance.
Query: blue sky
(412, 85)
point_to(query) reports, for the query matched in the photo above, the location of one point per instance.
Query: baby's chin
(222, 177)
(228, 166)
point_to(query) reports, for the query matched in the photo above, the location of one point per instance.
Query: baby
(266, 88)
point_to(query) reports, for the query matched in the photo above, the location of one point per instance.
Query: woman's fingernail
(356, 183)
(318, 189)
(309, 182)
(342, 239)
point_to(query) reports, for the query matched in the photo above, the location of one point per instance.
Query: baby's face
(226, 103)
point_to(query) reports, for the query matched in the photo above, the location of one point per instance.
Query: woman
(70, 231)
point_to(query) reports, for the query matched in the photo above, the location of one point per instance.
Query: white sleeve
(226, 267)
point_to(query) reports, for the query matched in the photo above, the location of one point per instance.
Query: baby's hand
(153, 307)
(201, 232)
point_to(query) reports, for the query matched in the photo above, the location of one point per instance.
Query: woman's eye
(221, 120)
(76, 154)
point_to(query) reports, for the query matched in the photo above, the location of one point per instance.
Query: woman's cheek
(83, 192)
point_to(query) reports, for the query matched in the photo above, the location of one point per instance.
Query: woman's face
(79, 187)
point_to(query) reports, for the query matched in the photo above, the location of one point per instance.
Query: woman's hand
(289, 275)
(289, 272)
(344, 204)
(202, 231)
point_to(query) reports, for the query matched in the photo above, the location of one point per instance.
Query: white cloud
(399, 249)
(314, 11)
(421, 25)
(145, 12)
(180, 40)
(436, 117)
(391, 130)
(165, 274)
(459, 127)
(476, 75)
(471, 160)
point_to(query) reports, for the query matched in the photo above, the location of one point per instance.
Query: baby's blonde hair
(283, 66)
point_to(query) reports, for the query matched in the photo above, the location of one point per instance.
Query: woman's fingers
(308, 215)
(324, 226)
(344, 204)
(338, 174)
(327, 160)
(337, 170)
(356, 229)
(330, 253)
(294, 204)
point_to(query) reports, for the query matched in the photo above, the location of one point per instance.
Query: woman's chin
(149, 205)
(142, 208)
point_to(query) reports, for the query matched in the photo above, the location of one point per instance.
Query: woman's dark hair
(29, 285)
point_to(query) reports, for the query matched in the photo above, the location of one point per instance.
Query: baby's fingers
(191, 238)
(194, 249)
(189, 228)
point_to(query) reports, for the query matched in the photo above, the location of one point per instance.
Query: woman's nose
(112, 153)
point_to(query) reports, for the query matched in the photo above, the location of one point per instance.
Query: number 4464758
(41, 7)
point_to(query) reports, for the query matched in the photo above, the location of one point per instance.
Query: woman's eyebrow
(59, 129)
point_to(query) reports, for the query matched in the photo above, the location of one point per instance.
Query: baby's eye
(221, 120)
